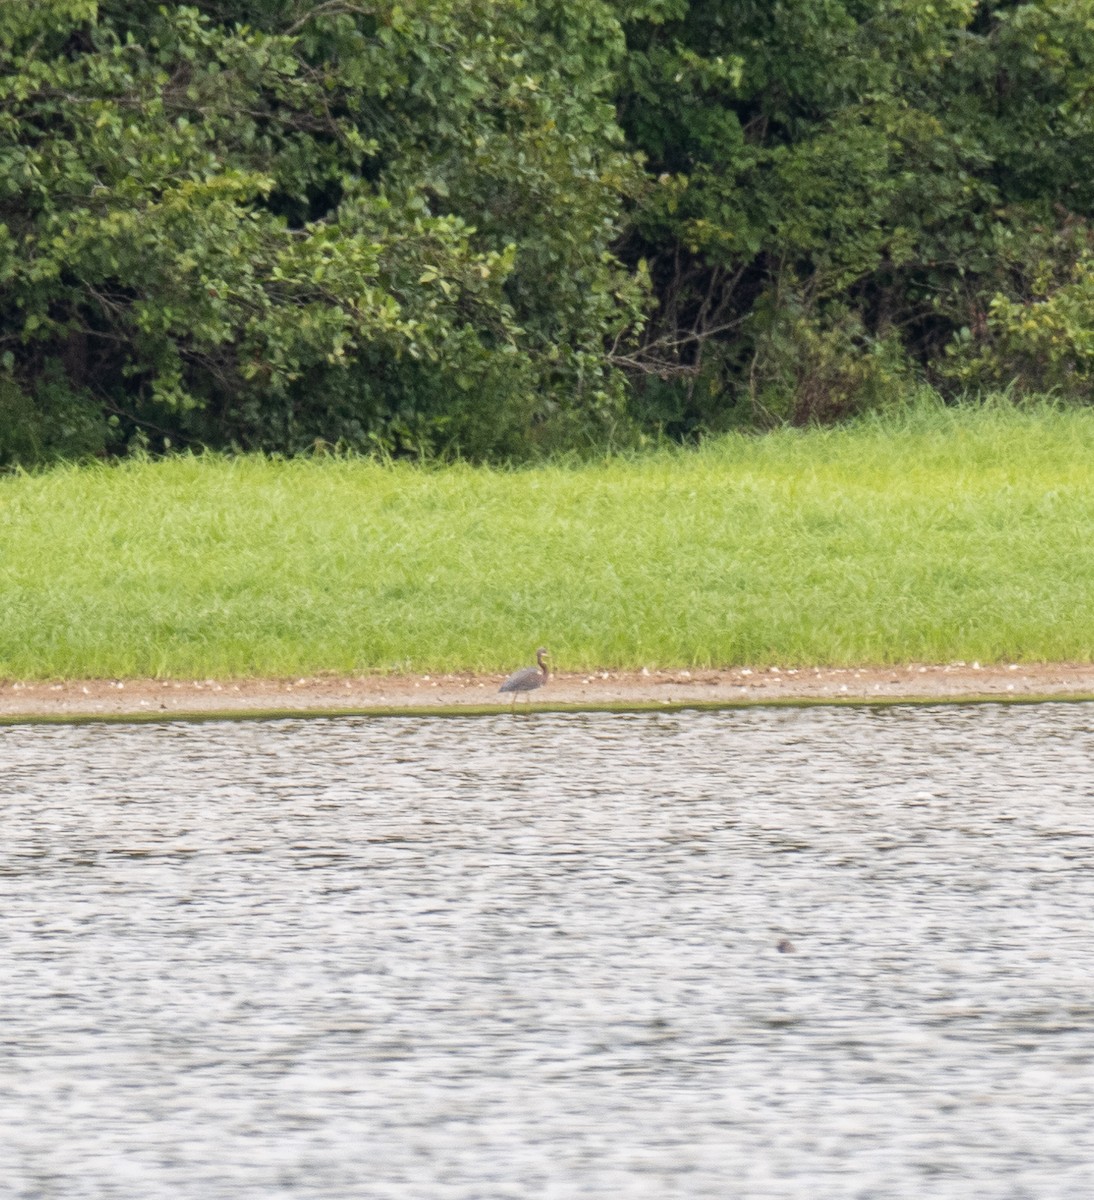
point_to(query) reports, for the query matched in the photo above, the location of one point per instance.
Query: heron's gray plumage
(527, 679)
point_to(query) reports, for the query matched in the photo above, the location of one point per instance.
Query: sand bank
(150, 699)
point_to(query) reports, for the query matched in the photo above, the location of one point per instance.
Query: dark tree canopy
(856, 194)
(502, 227)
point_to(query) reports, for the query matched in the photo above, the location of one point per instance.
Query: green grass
(936, 536)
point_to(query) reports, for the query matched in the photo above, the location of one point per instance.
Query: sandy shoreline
(145, 699)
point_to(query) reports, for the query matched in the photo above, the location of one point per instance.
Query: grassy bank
(933, 537)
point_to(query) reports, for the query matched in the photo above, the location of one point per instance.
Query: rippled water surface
(460, 959)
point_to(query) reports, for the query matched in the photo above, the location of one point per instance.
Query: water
(467, 959)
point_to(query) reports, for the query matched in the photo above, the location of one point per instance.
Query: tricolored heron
(527, 679)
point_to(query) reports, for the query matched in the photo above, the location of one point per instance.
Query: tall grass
(933, 536)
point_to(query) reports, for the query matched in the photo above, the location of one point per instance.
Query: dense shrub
(331, 222)
(501, 227)
(854, 192)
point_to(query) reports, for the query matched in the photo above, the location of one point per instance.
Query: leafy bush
(52, 423)
(1038, 334)
(275, 222)
(497, 228)
(810, 369)
(858, 192)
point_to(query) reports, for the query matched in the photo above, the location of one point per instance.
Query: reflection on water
(537, 957)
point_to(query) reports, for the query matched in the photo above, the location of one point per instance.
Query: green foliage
(20, 21)
(853, 191)
(1038, 335)
(53, 422)
(499, 228)
(288, 222)
(818, 368)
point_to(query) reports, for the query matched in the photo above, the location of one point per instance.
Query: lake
(787, 953)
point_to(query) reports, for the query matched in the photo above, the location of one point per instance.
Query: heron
(527, 679)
